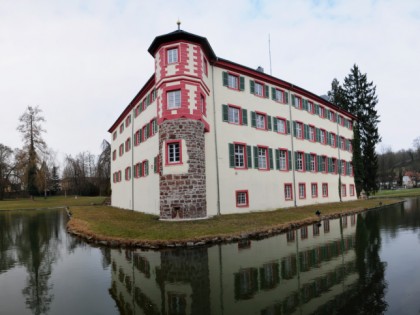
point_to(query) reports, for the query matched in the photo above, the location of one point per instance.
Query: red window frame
(167, 144)
(128, 121)
(144, 167)
(262, 88)
(242, 144)
(205, 66)
(351, 190)
(240, 114)
(127, 173)
(265, 120)
(343, 190)
(313, 157)
(324, 133)
(335, 164)
(203, 104)
(238, 82)
(298, 99)
(325, 190)
(312, 105)
(322, 110)
(324, 163)
(121, 149)
(304, 190)
(180, 99)
(122, 128)
(333, 139)
(285, 125)
(312, 136)
(127, 145)
(240, 205)
(302, 154)
(114, 135)
(114, 155)
(283, 98)
(286, 151)
(288, 185)
(302, 130)
(267, 161)
(137, 172)
(314, 195)
(175, 47)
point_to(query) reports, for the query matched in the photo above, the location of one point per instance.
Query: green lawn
(410, 192)
(112, 223)
(49, 202)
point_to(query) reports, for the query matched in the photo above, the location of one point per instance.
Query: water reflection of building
(298, 272)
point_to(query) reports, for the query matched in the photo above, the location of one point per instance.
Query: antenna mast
(269, 52)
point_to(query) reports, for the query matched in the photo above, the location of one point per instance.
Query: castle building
(206, 136)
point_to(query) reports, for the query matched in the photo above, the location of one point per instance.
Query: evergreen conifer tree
(358, 96)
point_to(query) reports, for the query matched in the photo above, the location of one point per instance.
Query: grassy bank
(107, 223)
(49, 202)
(399, 193)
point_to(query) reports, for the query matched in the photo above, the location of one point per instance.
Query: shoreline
(261, 233)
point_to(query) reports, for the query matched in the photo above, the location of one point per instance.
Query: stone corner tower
(182, 85)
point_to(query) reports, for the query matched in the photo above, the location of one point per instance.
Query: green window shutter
(327, 134)
(141, 136)
(273, 93)
(306, 131)
(244, 117)
(296, 161)
(249, 156)
(225, 112)
(339, 166)
(275, 124)
(241, 83)
(277, 159)
(288, 127)
(348, 168)
(286, 96)
(307, 162)
(147, 167)
(141, 169)
(269, 122)
(294, 128)
(289, 156)
(317, 109)
(270, 153)
(253, 119)
(155, 161)
(266, 91)
(337, 140)
(293, 100)
(305, 104)
(318, 135)
(255, 157)
(231, 155)
(225, 78)
(318, 158)
(329, 165)
(252, 86)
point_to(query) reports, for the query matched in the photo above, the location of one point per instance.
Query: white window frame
(262, 158)
(174, 152)
(239, 152)
(258, 89)
(281, 125)
(233, 81)
(172, 55)
(260, 122)
(234, 115)
(174, 99)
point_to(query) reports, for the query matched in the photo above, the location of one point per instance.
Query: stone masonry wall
(183, 196)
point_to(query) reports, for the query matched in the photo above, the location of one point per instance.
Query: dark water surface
(358, 264)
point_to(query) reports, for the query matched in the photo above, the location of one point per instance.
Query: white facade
(252, 179)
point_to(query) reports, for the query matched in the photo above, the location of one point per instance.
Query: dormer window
(172, 55)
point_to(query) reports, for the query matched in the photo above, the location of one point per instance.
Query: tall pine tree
(358, 96)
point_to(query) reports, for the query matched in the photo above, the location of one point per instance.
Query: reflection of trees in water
(7, 239)
(367, 295)
(36, 237)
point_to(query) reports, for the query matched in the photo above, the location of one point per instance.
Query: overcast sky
(83, 61)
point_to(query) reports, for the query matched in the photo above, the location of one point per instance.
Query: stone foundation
(183, 196)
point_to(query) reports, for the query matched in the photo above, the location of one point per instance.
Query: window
(114, 155)
(128, 173)
(288, 195)
(260, 121)
(242, 198)
(121, 149)
(343, 190)
(145, 168)
(351, 190)
(324, 190)
(278, 95)
(297, 102)
(137, 137)
(172, 55)
(174, 99)
(321, 112)
(343, 167)
(114, 135)
(258, 89)
(128, 121)
(234, 115)
(323, 164)
(121, 128)
(281, 125)
(314, 190)
(173, 152)
(302, 191)
(239, 151)
(315, 229)
(342, 143)
(299, 161)
(298, 130)
(233, 81)
(332, 139)
(334, 165)
(350, 166)
(145, 132)
(283, 160)
(312, 133)
(202, 104)
(262, 158)
(311, 107)
(153, 127)
(312, 162)
(331, 116)
(137, 170)
(205, 66)
(322, 135)
(127, 145)
(304, 232)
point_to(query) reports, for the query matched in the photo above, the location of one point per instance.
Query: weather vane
(179, 24)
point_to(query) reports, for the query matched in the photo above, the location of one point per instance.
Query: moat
(363, 263)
